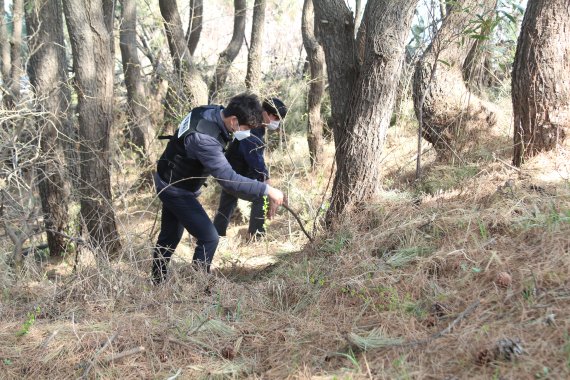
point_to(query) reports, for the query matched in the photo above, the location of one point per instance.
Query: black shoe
(158, 272)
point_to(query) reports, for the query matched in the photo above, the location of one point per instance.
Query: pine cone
(430, 321)
(162, 356)
(439, 310)
(228, 353)
(485, 356)
(504, 280)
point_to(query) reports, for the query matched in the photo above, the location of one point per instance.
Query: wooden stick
(92, 362)
(120, 355)
(48, 339)
(173, 340)
(298, 221)
(506, 163)
(461, 316)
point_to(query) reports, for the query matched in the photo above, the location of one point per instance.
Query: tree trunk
(16, 70)
(316, 58)
(186, 88)
(453, 118)
(540, 81)
(194, 25)
(443, 7)
(4, 49)
(358, 12)
(139, 117)
(109, 17)
(93, 67)
(474, 64)
(253, 76)
(368, 91)
(335, 29)
(230, 53)
(48, 77)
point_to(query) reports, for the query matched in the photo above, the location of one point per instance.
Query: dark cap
(275, 106)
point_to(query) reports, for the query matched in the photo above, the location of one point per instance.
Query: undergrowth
(408, 286)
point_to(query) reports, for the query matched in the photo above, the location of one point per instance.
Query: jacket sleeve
(252, 152)
(209, 152)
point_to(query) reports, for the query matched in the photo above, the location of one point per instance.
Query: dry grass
(371, 299)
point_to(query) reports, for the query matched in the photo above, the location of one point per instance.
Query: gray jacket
(210, 152)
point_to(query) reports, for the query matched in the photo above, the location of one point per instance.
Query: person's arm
(209, 152)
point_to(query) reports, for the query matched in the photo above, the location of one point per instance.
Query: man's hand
(276, 198)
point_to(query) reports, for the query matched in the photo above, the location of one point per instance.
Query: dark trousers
(228, 203)
(178, 213)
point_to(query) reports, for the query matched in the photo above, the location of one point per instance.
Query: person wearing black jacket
(194, 152)
(246, 158)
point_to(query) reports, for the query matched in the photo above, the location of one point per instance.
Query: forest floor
(462, 275)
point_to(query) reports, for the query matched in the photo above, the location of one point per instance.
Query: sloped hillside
(464, 274)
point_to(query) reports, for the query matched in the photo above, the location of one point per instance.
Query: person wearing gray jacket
(194, 152)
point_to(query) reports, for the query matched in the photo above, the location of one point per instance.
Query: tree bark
(48, 77)
(93, 67)
(194, 25)
(368, 92)
(4, 49)
(186, 88)
(109, 17)
(316, 58)
(453, 118)
(139, 117)
(335, 29)
(16, 69)
(253, 75)
(230, 53)
(540, 80)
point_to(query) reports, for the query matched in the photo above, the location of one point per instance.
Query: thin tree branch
(298, 221)
(120, 355)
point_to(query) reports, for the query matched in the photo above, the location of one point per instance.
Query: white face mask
(240, 135)
(273, 125)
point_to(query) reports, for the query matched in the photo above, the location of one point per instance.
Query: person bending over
(194, 152)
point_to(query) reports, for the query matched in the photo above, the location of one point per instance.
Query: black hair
(275, 106)
(247, 108)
